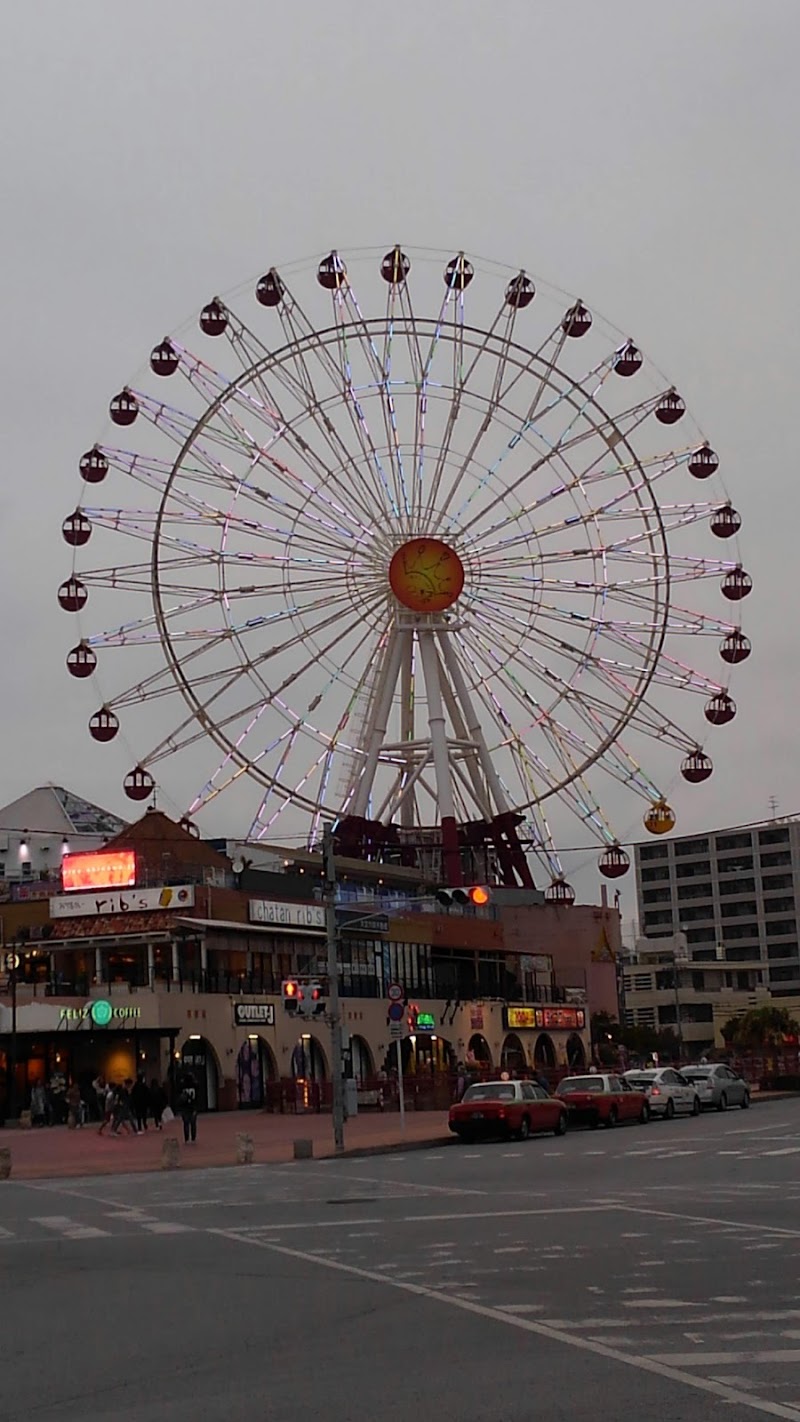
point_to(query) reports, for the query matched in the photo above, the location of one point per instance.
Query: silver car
(718, 1086)
(668, 1091)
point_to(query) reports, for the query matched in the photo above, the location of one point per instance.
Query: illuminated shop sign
(122, 901)
(115, 870)
(100, 1012)
(557, 1019)
(425, 1022)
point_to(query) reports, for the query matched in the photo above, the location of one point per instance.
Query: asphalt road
(648, 1272)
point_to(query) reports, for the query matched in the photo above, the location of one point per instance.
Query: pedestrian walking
(140, 1101)
(74, 1115)
(38, 1105)
(109, 1101)
(187, 1105)
(158, 1102)
(122, 1109)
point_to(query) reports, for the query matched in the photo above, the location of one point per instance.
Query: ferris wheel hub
(426, 575)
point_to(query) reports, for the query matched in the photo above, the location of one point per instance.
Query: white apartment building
(664, 987)
(733, 893)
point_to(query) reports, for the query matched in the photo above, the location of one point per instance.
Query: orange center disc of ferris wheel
(426, 575)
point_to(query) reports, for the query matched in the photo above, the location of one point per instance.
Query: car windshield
(490, 1091)
(580, 1083)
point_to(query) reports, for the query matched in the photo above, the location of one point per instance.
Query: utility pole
(332, 937)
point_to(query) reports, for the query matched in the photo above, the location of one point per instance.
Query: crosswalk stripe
(70, 1229)
(164, 1227)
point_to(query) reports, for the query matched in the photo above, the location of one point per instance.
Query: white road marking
(70, 1229)
(511, 1154)
(6, 1233)
(162, 1227)
(708, 1360)
(541, 1329)
(728, 1298)
(787, 1150)
(510, 1249)
(712, 1219)
(520, 1308)
(659, 1303)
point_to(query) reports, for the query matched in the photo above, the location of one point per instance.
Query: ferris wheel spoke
(606, 431)
(680, 621)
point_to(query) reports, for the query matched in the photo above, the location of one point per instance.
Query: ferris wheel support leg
(379, 720)
(451, 855)
(473, 723)
(513, 855)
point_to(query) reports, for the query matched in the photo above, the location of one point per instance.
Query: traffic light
(312, 1001)
(291, 993)
(476, 894)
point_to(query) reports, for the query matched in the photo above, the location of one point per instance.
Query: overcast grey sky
(639, 154)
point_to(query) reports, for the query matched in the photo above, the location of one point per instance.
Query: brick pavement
(56, 1152)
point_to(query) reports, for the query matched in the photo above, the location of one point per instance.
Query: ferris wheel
(416, 544)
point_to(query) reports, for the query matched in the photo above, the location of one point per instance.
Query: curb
(395, 1148)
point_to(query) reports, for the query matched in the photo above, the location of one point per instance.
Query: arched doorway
(512, 1057)
(361, 1057)
(479, 1052)
(198, 1057)
(544, 1053)
(576, 1053)
(255, 1066)
(423, 1053)
(308, 1060)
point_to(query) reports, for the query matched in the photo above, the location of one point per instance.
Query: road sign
(397, 1031)
(11, 961)
(397, 1011)
(395, 992)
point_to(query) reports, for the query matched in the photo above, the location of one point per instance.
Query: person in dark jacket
(187, 1105)
(140, 1100)
(158, 1102)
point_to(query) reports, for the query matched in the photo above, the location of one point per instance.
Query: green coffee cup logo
(101, 1012)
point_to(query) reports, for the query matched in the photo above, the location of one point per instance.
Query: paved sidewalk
(56, 1152)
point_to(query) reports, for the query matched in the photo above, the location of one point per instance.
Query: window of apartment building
(698, 982)
(657, 918)
(782, 950)
(697, 1012)
(704, 955)
(656, 896)
(653, 851)
(743, 840)
(741, 955)
(736, 864)
(660, 871)
(773, 836)
(27, 868)
(733, 932)
(695, 891)
(771, 882)
(691, 914)
(666, 1015)
(693, 870)
(783, 905)
(737, 886)
(701, 935)
(781, 925)
(646, 1016)
(776, 858)
(738, 910)
(784, 975)
(743, 982)
(685, 847)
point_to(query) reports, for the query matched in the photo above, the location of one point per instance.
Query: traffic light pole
(331, 935)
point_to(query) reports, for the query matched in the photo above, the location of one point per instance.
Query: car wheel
(612, 1118)
(594, 1121)
(670, 1111)
(644, 1114)
(745, 1100)
(561, 1125)
(466, 1137)
(696, 1108)
(524, 1129)
(722, 1104)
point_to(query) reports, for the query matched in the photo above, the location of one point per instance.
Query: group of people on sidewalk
(122, 1108)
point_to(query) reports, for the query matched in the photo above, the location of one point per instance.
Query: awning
(289, 930)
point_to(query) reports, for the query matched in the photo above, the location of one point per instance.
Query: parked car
(667, 1091)
(602, 1098)
(718, 1086)
(506, 1108)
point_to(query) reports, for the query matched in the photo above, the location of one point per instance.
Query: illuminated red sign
(564, 1019)
(110, 870)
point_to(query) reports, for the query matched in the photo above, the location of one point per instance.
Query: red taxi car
(600, 1098)
(507, 1108)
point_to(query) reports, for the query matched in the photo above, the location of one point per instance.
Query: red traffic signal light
(476, 894)
(292, 994)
